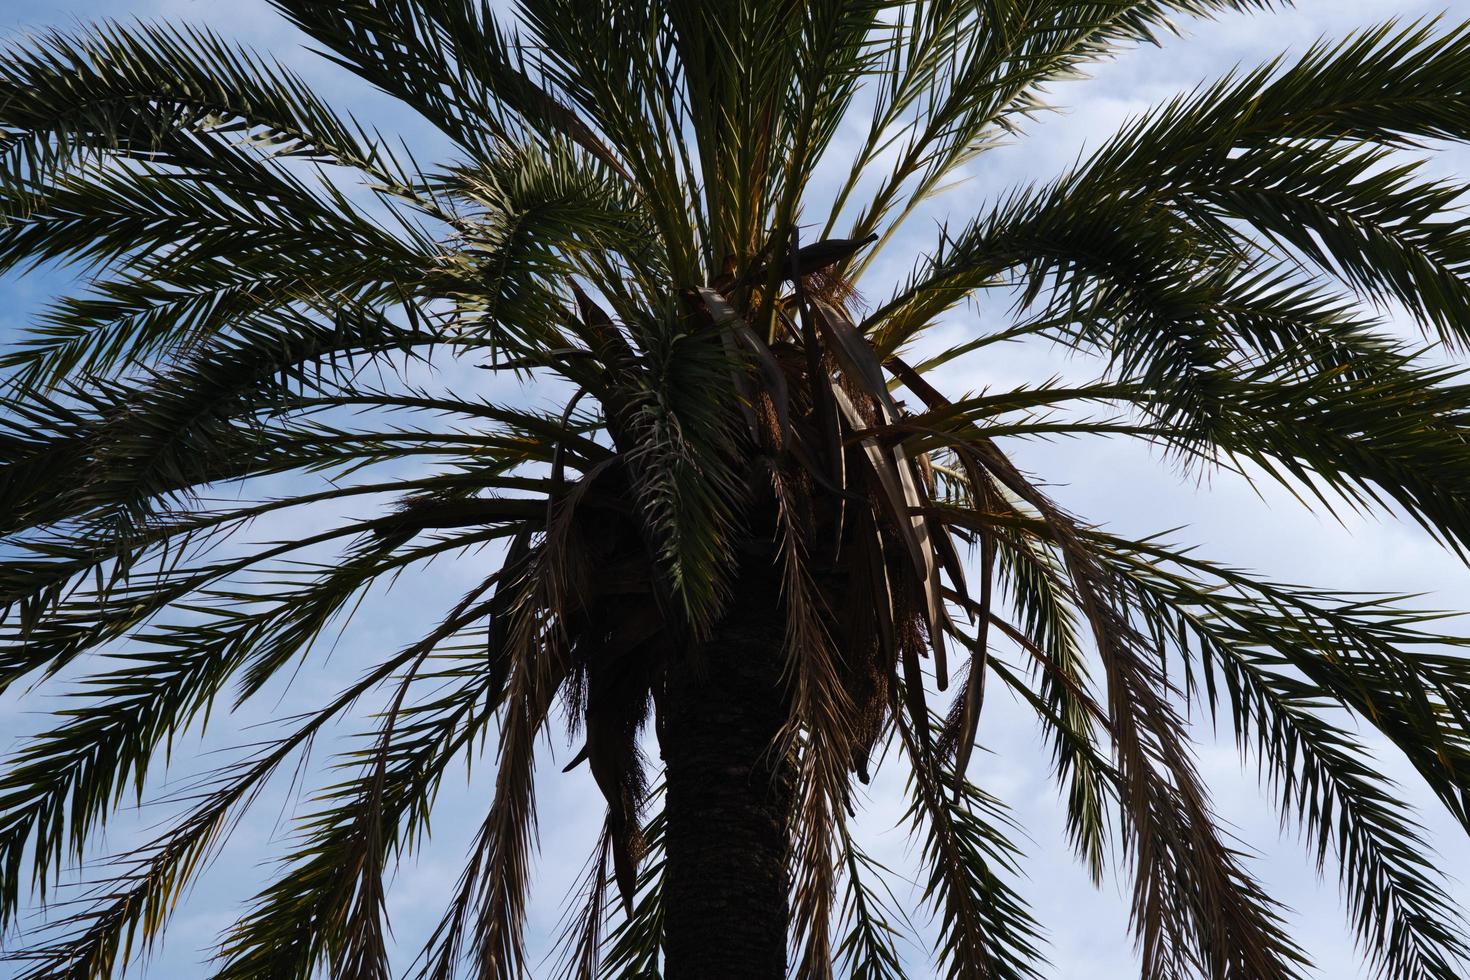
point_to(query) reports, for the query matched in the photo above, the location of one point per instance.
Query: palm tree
(753, 519)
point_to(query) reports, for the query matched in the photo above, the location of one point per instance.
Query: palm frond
(985, 929)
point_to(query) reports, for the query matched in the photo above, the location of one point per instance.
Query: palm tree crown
(629, 217)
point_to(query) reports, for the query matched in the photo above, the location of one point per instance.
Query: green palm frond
(985, 927)
(143, 92)
(871, 949)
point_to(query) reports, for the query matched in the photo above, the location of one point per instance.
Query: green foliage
(269, 292)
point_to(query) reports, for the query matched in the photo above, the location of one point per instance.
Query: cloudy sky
(1126, 487)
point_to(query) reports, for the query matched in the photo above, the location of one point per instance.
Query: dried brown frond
(832, 287)
(821, 732)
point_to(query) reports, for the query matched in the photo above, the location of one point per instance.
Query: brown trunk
(728, 797)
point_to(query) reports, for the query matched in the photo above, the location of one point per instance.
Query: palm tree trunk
(728, 799)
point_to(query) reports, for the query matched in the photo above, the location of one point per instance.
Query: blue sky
(1127, 487)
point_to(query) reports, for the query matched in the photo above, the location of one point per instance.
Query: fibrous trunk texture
(729, 797)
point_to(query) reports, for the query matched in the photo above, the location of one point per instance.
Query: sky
(1126, 487)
